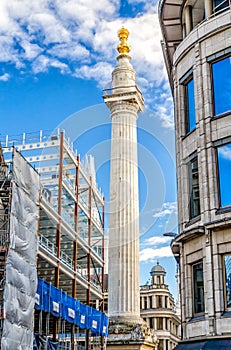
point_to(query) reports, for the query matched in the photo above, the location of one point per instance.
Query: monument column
(125, 101)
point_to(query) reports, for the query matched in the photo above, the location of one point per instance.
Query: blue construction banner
(71, 309)
(55, 301)
(38, 295)
(95, 321)
(83, 316)
(104, 325)
(42, 297)
(51, 299)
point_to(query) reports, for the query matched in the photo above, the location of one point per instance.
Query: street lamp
(170, 234)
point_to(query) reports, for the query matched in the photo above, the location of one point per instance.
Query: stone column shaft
(124, 214)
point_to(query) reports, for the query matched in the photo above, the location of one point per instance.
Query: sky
(56, 60)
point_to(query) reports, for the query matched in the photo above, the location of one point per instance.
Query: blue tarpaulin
(42, 297)
(104, 325)
(43, 343)
(55, 301)
(60, 304)
(51, 345)
(70, 309)
(83, 316)
(95, 321)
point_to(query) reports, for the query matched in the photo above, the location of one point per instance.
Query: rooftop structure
(158, 309)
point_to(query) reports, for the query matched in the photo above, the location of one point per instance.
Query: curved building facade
(197, 51)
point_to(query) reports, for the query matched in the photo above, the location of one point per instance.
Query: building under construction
(52, 218)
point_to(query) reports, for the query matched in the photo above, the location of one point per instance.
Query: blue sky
(56, 59)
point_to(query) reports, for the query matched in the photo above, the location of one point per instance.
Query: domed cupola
(158, 273)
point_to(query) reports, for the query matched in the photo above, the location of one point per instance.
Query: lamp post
(170, 234)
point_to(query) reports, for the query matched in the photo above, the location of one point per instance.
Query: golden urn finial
(123, 47)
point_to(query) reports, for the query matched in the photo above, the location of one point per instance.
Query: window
(221, 71)
(160, 345)
(190, 122)
(220, 5)
(145, 303)
(166, 302)
(194, 195)
(224, 167)
(198, 286)
(159, 323)
(158, 301)
(227, 273)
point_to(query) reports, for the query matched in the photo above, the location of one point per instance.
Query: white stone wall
(207, 237)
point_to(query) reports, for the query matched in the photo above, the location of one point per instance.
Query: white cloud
(4, 77)
(167, 209)
(162, 213)
(101, 72)
(80, 38)
(165, 113)
(155, 247)
(71, 51)
(31, 50)
(61, 66)
(151, 254)
(42, 63)
(51, 28)
(156, 240)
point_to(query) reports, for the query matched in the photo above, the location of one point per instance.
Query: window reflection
(222, 85)
(227, 266)
(224, 166)
(190, 106)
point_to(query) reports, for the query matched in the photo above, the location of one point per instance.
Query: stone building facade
(197, 51)
(158, 310)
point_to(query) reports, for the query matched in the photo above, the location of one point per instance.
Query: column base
(130, 335)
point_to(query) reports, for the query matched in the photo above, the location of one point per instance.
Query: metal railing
(48, 245)
(64, 258)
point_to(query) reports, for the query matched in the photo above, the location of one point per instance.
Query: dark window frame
(196, 304)
(226, 307)
(192, 189)
(184, 81)
(159, 323)
(188, 127)
(215, 58)
(219, 8)
(218, 171)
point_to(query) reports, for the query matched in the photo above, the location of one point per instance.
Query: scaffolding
(5, 199)
(71, 228)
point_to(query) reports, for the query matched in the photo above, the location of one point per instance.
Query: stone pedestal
(128, 336)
